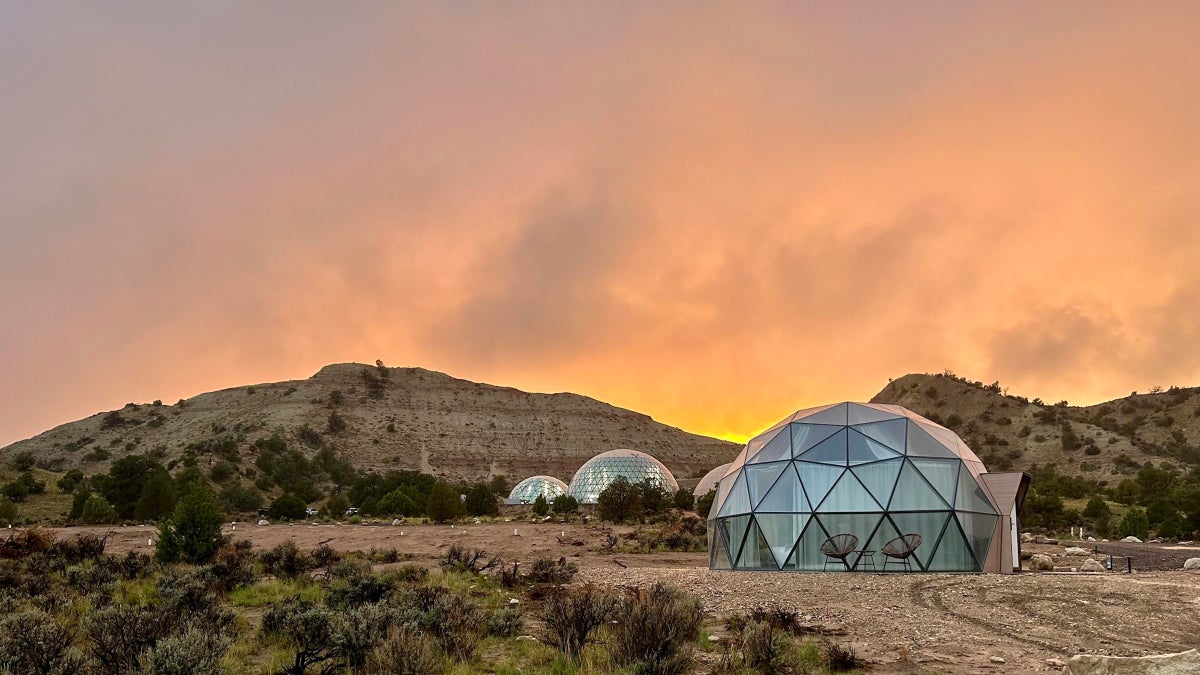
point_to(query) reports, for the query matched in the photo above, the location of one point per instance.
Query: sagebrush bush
(33, 642)
(571, 616)
(506, 622)
(840, 659)
(358, 588)
(765, 646)
(473, 561)
(359, 629)
(654, 628)
(195, 651)
(286, 561)
(134, 565)
(119, 636)
(456, 623)
(405, 652)
(306, 627)
(91, 578)
(77, 549)
(549, 571)
(410, 573)
(233, 566)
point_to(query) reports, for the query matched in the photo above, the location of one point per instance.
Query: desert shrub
(233, 566)
(90, 578)
(384, 555)
(684, 499)
(653, 629)
(572, 616)
(357, 632)
(457, 624)
(473, 561)
(765, 647)
(119, 636)
(336, 423)
(410, 573)
(77, 549)
(24, 485)
(325, 556)
(305, 627)
(194, 651)
(23, 461)
(33, 642)
(705, 502)
(549, 571)
(27, 542)
(359, 588)
(286, 560)
(505, 623)
(620, 501)
(288, 507)
(840, 659)
(336, 506)
(405, 652)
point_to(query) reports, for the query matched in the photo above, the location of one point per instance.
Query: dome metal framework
(876, 472)
(596, 473)
(528, 490)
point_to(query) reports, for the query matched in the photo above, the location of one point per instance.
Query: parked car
(310, 512)
(352, 511)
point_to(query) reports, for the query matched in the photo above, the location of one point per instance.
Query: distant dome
(596, 474)
(710, 480)
(527, 491)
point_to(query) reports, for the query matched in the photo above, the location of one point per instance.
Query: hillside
(1104, 442)
(390, 418)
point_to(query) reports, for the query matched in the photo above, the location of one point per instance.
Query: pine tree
(540, 507)
(193, 533)
(158, 498)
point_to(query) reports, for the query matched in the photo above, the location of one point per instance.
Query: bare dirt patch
(900, 623)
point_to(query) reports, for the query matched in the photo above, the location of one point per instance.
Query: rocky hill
(401, 418)
(1104, 442)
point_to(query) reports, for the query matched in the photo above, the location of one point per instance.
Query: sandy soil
(900, 623)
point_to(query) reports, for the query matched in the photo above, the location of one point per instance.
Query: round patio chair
(839, 547)
(899, 550)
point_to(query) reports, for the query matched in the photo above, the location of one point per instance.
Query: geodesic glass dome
(527, 491)
(873, 471)
(710, 480)
(596, 473)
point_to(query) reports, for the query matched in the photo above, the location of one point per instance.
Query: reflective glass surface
(527, 491)
(596, 474)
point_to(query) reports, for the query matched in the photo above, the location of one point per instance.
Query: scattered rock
(1026, 538)
(714, 638)
(1191, 564)
(1040, 562)
(527, 637)
(1131, 540)
(1090, 538)
(396, 522)
(1186, 543)
(1045, 540)
(1163, 664)
(1075, 550)
(996, 659)
(1055, 663)
(1090, 565)
(514, 601)
(264, 522)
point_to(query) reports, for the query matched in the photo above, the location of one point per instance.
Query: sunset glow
(715, 214)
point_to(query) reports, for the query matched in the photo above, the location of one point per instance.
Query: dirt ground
(899, 623)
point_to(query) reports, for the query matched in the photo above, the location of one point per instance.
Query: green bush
(193, 533)
(684, 499)
(97, 511)
(8, 511)
(444, 503)
(195, 651)
(572, 616)
(540, 506)
(286, 560)
(289, 507)
(481, 501)
(157, 499)
(32, 641)
(705, 502)
(565, 504)
(23, 461)
(1135, 523)
(620, 501)
(405, 652)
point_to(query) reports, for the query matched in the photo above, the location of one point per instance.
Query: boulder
(1191, 564)
(1090, 565)
(264, 522)
(1164, 664)
(1131, 540)
(396, 522)
(1075, 550)
(1026, 538)
(1091, 538)
(1044, 540)
(1040, 562)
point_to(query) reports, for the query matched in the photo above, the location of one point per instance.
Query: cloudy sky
(712, 213)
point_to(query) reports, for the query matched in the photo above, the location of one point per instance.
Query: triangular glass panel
(880, 478)
(832, 450)
(805, 436)
(914, 493)
(756, 554)
(863, 414)
(849, 496)
(738, 501)
(861, 449)
(945, 436)
(832, 415)
(759, 442)
(776, 449)
(807, 555)
(718, 546)
(817, 479)
(971, 496)
(735, 532)
(952, 553)
(978, 529)
(781, 530)
(859, 525)
(890, 433)
(928, 524)
(921, 444)
(809, 412)
(760, 478)
(886, 532)
(942, 474)
(786, 496)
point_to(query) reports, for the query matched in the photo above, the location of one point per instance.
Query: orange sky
(715, 214)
